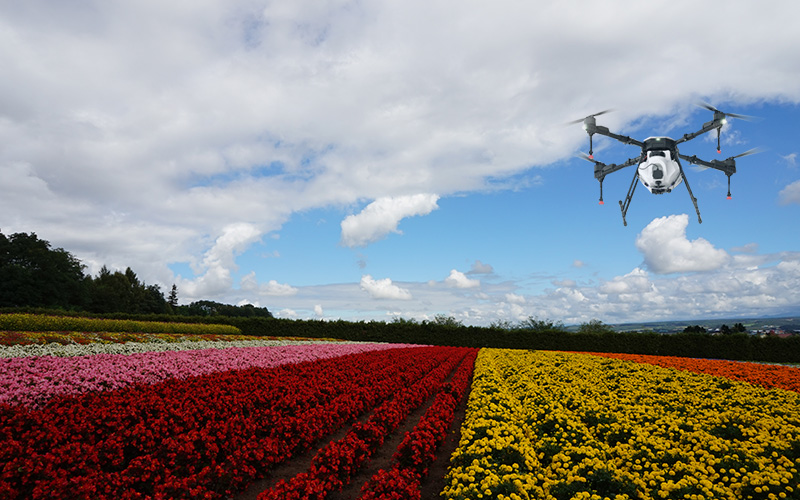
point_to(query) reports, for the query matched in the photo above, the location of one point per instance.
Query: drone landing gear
(729, 187)
(629, 197)
(694, 200)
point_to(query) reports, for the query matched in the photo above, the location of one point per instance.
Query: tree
(535, 324)
(211, 308)
(595, 327)
(694, 329)
(172, 300)
(725, 330)
(34, 274)
(442, 320)
(739, 328)
(123, 292)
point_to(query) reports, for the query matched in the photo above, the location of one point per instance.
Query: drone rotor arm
(621, 138)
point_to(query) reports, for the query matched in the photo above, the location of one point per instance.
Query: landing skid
(629, 197)
(694, 200)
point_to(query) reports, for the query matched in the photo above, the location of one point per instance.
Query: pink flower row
(35, 380)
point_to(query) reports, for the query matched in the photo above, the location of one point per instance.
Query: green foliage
(34, 274)
(694, 329)
(595, 327)
(534, 324)
(211, 308)
(44, 323)
(449, 321)
(123, 292)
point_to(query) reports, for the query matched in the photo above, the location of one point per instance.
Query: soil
(431, 485)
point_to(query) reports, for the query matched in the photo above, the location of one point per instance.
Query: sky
(375, 160)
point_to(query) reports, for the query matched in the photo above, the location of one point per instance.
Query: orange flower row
(783, 377)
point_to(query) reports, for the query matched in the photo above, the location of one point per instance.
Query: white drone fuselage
(659, 172)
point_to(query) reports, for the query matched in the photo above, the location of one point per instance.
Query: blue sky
(342, 159)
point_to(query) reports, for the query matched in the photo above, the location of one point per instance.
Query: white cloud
(138, 133)
(578, 264)
(381, 217)
(480, 268)
(457, 279)
(790, 194)
(318, 310)
(383, 289)
(667, 250)
(271, 288)
(220, 261)
(790, 159)
(634, 282)
(513, 298)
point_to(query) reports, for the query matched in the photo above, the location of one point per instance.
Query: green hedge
(736, 347)
(47, 323)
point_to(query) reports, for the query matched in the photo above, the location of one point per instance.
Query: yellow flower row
(552, 425)
(44, 323)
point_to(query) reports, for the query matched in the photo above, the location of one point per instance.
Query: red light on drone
(601, 202)
(591, 157)
(729, 197)
(719, 151)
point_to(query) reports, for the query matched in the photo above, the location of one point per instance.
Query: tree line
(35, 275)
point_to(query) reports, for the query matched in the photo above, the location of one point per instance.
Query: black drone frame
(601, 170)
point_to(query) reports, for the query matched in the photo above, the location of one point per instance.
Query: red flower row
(418, 450)
(202, 437)
(336, 463)
(783, 377)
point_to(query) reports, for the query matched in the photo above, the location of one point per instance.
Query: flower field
(178, 422)
(154, 414)
(567, 425)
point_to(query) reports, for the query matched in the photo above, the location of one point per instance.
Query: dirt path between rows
(431, 485)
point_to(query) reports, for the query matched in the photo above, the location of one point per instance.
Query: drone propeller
(589, 125)
(724, 114)
(588, 158)
(721, 118)
(582, 120)
(746, 153)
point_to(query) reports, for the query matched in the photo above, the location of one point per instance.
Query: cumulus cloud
(318, 310)
(666, 248)
(220, 260)
(635, 281)
(271, 288)
(480, 268)
(382, 216)
(790, 194)
(383, 289)
(457, 279)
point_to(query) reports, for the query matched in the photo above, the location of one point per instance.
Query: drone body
(660, 171)
(659, 166)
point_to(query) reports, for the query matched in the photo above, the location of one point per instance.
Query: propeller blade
(747, 153)
(709, 107)
(581, 120)
(586, 157)
(747, 118)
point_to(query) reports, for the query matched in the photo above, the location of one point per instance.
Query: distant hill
(787, 323)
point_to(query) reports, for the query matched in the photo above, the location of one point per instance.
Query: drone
(659, 166)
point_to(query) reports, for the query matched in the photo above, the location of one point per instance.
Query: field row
(33, 381)
(765, 375)
(564, 426)
(42, 323)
